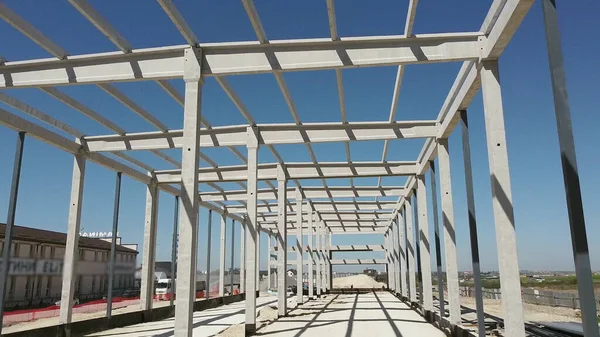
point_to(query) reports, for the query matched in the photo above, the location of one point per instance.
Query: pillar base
(250, 329)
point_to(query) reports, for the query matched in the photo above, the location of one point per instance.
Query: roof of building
(44, 236)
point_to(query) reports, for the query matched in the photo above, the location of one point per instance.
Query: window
(81, 254)
(49, 285)
(38, 287)
(16, 247)
(78, 286)
(42, 252)
(93, 284)
(11, 290)
(27, 287)
(31, 251)
(52, 252)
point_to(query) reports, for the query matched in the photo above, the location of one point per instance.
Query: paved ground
(374, 314)
(206, 323)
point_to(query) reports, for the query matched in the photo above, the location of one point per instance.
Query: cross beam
(231, 58)
(296, 171)
(312, 192)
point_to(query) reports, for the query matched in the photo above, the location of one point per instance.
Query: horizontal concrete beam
(269, 134)
(231, 58)
(322, 206)
(309, 192)
(296, 171)
(339, 261)
(344, 248)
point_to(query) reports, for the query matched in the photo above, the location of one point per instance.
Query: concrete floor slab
(206, 323)
(374, 314)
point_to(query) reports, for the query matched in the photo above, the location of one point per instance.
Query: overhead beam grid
(322, 208)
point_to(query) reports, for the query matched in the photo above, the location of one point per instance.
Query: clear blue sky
(540, 210)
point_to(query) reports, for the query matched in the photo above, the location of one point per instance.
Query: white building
(35, 268)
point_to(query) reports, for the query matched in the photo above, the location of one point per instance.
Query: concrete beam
(309, 192)
(323, 206)
(231, 58)
(295, 171)
(270, 134)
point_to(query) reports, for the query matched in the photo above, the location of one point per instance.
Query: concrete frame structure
(479, 51)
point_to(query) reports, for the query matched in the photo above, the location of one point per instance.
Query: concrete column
(113, 246)
(330, 269)
(417, 247)
(438, 246)
(243, 256)
(310, 255)
(387, 257)
(10, 221)
(252, 228)
(425, 246)
(72, 247)
(258, 231)
(449, 231)
(391, 252)
(403, 251)
(222, 254)
(281, 242)
(174, 249)
(566, 142)
(188, 224)
(232, 255)
(269, 260)
(324, 254)
(504, 220)
(410, 247)
(317, 257)
(472, 224)
(299, 248)
(396, 240)
(208, 250)
(147, 290)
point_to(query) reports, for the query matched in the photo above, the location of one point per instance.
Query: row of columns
(401, 235)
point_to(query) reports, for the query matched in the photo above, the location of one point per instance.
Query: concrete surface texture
(356, 281)
(373, 314)
(205, 323)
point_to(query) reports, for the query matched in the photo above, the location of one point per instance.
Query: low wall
(103, 323)
(555, 298)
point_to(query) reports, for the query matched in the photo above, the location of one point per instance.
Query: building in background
(35, 268)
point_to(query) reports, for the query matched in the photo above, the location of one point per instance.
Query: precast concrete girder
(269, 134)
(295, 171)
(309, 192)
(232, 58)
(323, 206)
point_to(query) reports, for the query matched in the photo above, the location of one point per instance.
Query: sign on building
(97, 235)
(18, 266)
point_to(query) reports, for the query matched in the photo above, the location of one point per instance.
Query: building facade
(36, 262)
